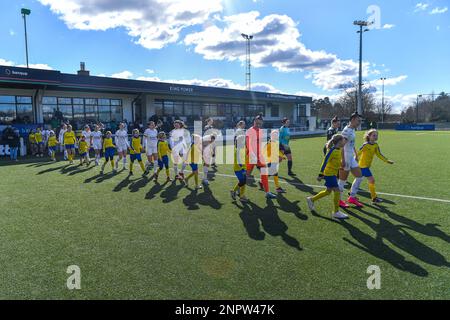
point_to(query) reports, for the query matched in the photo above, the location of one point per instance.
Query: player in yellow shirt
(163, 155)
(32, 141)
(39, 142)
(70, 140)
(109, 150)
(135, 151)
(240, 166)
(52, 145)
(194, 158)
(273, 164)
(366, 153)
(329, 172)
(83, 150)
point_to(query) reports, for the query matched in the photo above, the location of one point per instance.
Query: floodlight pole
(361, 24)
(382, 102)
(25, 13)
(248, 63)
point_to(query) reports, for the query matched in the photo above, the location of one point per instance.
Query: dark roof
(55, 80)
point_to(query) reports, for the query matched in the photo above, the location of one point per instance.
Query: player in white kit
(122, 145)
(97, 143)
(151, 146)
(180, 141)
(88, 138)
(350, 159)
(61, 140)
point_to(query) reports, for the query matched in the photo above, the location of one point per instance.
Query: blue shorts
(40, 143)
(52, 149)
(109, 153)
(83, 154)
(331, 182)
(70, 146)
(241, 175)
(164, 162)
(194, 166)
(366, 172)
(136, 156)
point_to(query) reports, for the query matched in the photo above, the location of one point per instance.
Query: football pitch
(134, 239)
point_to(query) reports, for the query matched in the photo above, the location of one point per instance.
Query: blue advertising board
(415, 127)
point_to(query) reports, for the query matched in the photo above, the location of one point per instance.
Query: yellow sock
(189, 176)
(167, 172)
(320, 195)
(373, 194)
(112, 164)
(142, 166)
(242, 191)
(336, 198)
(236, 187)
(277, 182)
(196, 178)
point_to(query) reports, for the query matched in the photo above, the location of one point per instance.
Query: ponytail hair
(368, 134)
(334, 141)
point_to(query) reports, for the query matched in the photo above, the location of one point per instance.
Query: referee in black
(335, 124)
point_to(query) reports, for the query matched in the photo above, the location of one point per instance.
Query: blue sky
(300, 47)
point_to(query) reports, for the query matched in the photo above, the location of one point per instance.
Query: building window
(274, 111)
(254, 110)
(81, 110)
(16, 109)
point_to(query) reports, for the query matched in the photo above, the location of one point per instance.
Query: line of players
(341, 157)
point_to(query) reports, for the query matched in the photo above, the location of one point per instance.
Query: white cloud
(438, 28)
(388, 26)
(390, 81)
(276, 43)
(122, 75)
(421, 6)
(9, 63)
(12, 32)
(152, 23)
(150, 71)
(438, 10)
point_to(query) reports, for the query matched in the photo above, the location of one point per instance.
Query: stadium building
(34, 96)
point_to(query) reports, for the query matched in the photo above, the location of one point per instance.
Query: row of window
(82, 109)
(205, 109)
(16, 109)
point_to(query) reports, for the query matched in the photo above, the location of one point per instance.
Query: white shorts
(152, 149)
(97, 146)
(350, 163)
(122, 148)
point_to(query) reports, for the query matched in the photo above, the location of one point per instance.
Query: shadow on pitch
(376, 247)
(259, 221)
(299, 185)
(156, 189)
(171, 192)
(400, 238)
(291, 207)
(197, 198)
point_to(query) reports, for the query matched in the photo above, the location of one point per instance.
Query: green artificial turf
(135, 239)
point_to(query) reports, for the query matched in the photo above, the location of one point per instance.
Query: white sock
(355, 186)
(341, 184)
(65, 154)
(175, 168)
(183, 166)
(205, 173)
(124, 161)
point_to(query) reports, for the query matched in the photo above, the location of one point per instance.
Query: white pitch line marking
(380, 193)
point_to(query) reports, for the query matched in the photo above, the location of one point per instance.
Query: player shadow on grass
(157, 188)
(171, 192)
(376, 247)
(99, 178)
(39, 164)
(52, 169)
(81, 170)
(139, 184)
(291, 207)
(400, 238)
(123, 184)
(254, 217)
(429, 229)
(299, 185)
(196, 198)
